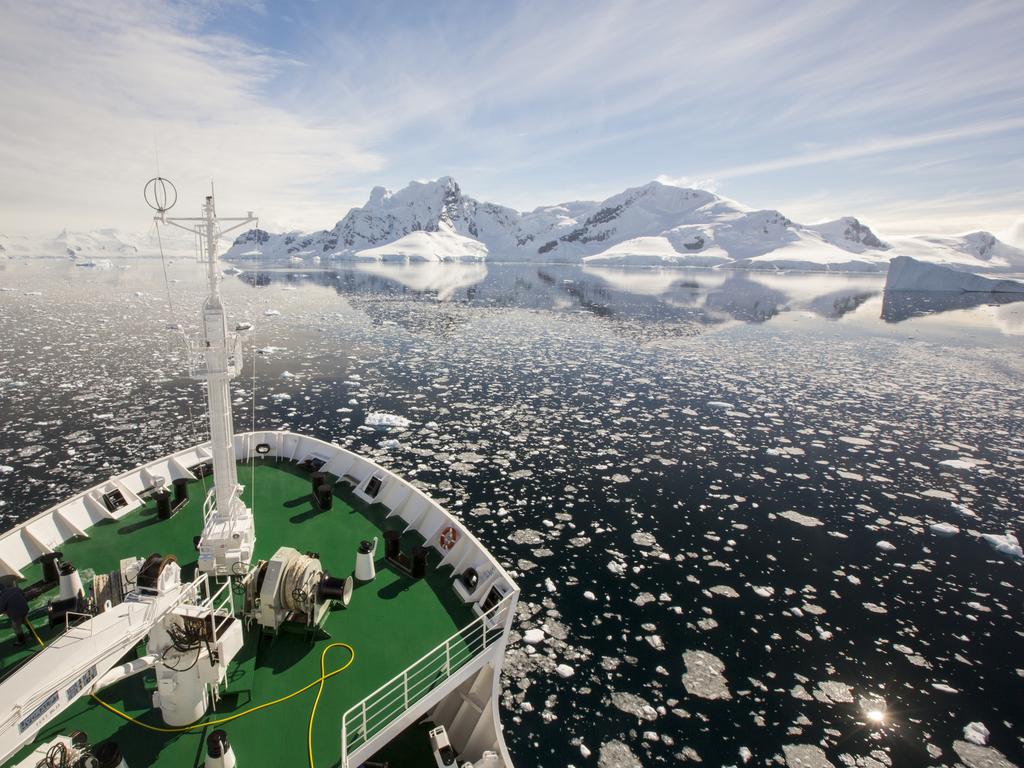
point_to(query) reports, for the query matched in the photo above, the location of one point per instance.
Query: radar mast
(229, 533)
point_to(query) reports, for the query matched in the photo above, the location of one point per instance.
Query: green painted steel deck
(391, 623)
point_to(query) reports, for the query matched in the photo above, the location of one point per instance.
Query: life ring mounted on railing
(448, 538)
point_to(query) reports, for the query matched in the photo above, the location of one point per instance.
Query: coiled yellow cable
(324, 676)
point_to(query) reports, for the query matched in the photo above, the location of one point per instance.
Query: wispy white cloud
(90, 90)
(874, 146)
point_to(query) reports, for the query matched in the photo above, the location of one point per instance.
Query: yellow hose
(324, 676)
(34, 634)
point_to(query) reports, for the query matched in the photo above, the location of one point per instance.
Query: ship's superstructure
(365, 623)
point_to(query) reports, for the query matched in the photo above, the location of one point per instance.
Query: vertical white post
(218, 378)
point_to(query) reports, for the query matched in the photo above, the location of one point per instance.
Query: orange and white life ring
(448, 538)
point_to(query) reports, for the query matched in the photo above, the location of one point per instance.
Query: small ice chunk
(271, 313)
(806, 756)
(944, 529)
(976, 733)
(1007, 545)
(615, 754)
(380, 419)
(860, 441)
(720, 404)
(564, 670)
(800, 519)
(886, 546)
(533, 636)
(962, 463)
(704, 675)
(634, 705)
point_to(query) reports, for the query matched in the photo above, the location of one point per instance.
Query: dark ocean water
(670, 462)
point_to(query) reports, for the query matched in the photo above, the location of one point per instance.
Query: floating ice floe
(533, 636)
(703, 676)
(615, 754)
(806, 756)
(944, 529)
(720, 405)
(962, 463)
(272, 312)
(976, 733)
(634, 705)
(763, 591)
(1006, 545)
(800, 519)
(379, 419)
(564, 670)
(976, 756)
(886, 546)
(858, 441)
(964, 510)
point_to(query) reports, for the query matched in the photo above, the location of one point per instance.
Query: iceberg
(909, 274)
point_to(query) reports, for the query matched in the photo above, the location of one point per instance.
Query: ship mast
(228, 530)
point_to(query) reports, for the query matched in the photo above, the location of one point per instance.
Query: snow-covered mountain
(95, 244)
(656, 224)
(100, 243)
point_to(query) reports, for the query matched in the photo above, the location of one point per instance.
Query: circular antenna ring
(160, 194)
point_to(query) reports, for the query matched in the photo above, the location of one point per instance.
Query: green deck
(391, 622)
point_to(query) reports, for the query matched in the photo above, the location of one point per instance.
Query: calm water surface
(671, 462)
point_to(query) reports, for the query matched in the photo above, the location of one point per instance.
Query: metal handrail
(209, 505)
(387, 703)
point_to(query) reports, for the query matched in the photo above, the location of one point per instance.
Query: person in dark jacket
(14, 604)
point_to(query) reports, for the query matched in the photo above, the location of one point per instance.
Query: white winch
(292, 586)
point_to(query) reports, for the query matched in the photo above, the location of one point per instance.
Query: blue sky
(908, 115)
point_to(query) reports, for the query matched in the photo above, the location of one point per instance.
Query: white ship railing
(209, 506)
(384, 706)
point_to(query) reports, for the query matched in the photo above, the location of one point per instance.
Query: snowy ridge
(96, 244)
(653, 225)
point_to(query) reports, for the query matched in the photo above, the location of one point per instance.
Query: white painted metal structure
(83, 659)
(229, 530)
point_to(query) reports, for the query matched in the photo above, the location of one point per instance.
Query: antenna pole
(219, 371)
(229, 532)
